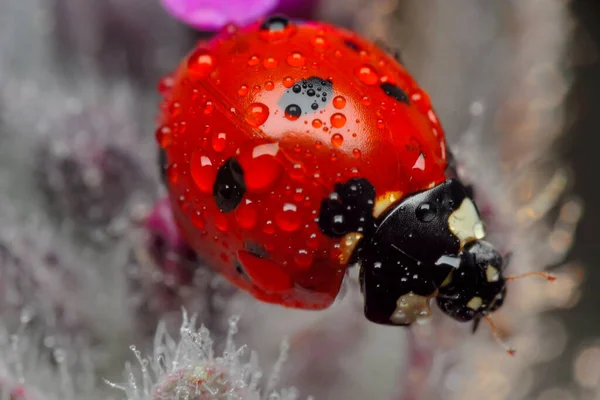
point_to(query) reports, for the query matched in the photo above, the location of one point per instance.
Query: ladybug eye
(426, 212)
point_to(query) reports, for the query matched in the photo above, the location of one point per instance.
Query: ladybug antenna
(510, 350)
(476, 324)
(544, 275)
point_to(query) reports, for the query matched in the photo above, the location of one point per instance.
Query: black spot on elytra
(308, 95)
(162, 165)
(395, 92)
(352, 45)
(348, 209)
(275, 23)
(229, 187)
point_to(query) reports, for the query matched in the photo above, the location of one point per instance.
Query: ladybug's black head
(430, 245)
(477, 287)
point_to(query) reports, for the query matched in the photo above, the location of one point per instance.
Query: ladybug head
(477, 287)
(430, 245)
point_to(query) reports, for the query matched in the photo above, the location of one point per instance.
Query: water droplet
(255, 89)
(219, 142)
(246, 215)
(257, 114)
(320, 43)
(270, 63)
(293, 112)
(164, 136)
(356, 153)
(297, 89)
(338, 120)
(243, 90)
(209, 107)
(337, 140)
(380, 124)
(175, 109)
(269, 85)
(268, 227)
(220, 222)
(314, 106)
(367, 75)
(165, 84)
(317, 123)
(288, 82)
(197, 220)
(201, 62)
(297, 171)
(303, 259)
(296, 59)
(288, 218)
(339, 102)
(313, 241)
(262, 169)
(203, 172)
(366, 101)
(253, 61)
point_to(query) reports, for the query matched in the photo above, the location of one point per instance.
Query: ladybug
(293, 151)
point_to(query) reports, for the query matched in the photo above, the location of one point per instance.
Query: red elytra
(344, 125)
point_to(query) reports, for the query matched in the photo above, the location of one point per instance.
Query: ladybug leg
(348, 209)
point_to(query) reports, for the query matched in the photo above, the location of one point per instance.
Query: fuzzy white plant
(187, 369)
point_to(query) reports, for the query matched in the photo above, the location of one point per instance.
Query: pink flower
(211, 15)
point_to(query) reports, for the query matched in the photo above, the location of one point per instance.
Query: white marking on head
(492, 274)
(475, 303)
(465, 223)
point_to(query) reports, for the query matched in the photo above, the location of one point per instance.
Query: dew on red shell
(253, 61)
(270, 63)
(243, 90)
(220, 221)
(203, 172)
(219, 142)
(296, 59)
(338, 120)
(303, 259)
(367, 75)
(201, 63)
(339, 102)
(256, 114)
(261, 168)
(288, 219)
(337, 140)
(288, 82)
(164, 136)
(246, 215)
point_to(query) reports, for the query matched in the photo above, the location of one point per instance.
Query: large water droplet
(261, 168)
(367, 75)
(338, 120)
(219, 142)
(339, 102)
(257, 114)
(246, 215)
(303, 259)
(288, 218)
(337, 140)
(296, 59)
(164, 136)
(270, 63)
(203, 172)
(201, 62)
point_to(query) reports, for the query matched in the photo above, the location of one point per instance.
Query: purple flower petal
(213, 14)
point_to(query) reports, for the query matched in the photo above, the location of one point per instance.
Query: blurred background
(89, 262)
